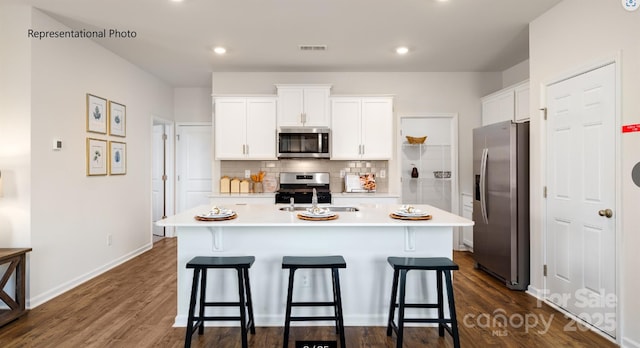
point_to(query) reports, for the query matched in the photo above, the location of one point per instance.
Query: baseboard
(535, 292)
(629, 343)
(34, 302)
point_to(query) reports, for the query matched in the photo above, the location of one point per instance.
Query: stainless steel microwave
(302, 142)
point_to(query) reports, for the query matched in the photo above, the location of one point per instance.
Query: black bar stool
(334, 263)
(402, 265)
(200, 265)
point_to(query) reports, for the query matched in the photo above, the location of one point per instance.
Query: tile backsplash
(237, 168)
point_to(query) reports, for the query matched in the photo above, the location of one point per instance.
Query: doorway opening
(162, 174)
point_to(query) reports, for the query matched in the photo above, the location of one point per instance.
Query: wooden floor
(134, 305)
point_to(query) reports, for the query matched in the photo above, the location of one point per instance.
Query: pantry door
(194, 165)
(581, 196)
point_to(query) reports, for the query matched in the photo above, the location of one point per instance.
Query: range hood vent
(312, 47)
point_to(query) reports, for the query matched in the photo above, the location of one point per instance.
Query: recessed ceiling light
(402, 50)
(177, 0)
(220, 50)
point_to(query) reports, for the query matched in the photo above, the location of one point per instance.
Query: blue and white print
(630, 5)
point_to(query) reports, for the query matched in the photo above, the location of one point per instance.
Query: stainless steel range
(299, 186)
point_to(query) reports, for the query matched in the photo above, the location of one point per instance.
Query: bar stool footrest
(313, 304)
(313, 318)
(419, 305)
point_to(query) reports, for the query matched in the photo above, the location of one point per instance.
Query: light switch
(57, 144)
(382, 174)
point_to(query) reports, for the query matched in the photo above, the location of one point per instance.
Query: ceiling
(174, 41)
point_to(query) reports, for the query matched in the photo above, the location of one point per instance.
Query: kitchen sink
(346, 209)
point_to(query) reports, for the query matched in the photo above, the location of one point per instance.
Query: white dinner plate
(222, 214)
(318, 213)
(414, 213)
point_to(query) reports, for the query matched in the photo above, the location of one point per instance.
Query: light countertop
(256, 215)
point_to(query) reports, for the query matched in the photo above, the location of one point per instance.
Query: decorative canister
(235, 185)
(225, 184)
(244, 186)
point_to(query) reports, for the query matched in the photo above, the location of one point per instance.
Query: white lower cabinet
(245, 128)
(467, 212)
(361, 128)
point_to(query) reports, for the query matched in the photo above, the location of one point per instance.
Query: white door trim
(170, 169)
(455, 174)
(613, 59)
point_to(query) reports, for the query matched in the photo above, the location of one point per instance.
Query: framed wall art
(96, 114)
(117, 119)
(96, 157)
(117, 158)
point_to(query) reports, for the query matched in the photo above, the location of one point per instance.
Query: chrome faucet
(291, 204)
(314, 199)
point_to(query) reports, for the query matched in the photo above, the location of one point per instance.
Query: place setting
(317, 214)
(217, 214)
(408, 212)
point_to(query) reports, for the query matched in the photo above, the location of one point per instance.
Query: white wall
(574, 34)
(515, 74)
(71, 214)
(192, 104)
(415, 92)
(15, 123)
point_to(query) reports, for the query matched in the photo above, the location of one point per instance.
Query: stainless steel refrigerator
(501, 202)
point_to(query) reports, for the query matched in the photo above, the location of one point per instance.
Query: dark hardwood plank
(134, 305)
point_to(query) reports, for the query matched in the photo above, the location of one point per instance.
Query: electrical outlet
(109, 239)
(247, 173)
(382, 174)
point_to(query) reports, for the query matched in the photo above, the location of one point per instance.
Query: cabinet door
(261, 128)
(316, 107)
(290, 107)
(229, 128)
(377, 128)
(522, 102)
(498, 108)
(345, 130)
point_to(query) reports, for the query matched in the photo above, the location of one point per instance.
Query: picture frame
(96, 157)
(117, 119)
(117, 158)
(96, 114)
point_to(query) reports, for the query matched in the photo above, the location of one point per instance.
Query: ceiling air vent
(312, 47)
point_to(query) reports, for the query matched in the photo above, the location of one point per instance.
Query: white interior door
(580, 243)
(194, 165)
(157, 182)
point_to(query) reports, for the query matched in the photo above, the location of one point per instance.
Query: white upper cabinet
(511, 103)
(245, 128)
(303, 105)
(362, 128)
(521, 95)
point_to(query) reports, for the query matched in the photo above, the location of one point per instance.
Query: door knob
(606, 212)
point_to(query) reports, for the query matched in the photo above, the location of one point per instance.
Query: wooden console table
(16, 257)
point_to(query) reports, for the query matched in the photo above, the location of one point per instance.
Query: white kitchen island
(365, 238)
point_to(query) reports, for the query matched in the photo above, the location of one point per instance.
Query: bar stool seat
(443, 266)
(200, 265)
(334, 263)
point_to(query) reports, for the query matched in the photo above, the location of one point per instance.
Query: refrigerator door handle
(483, 185)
